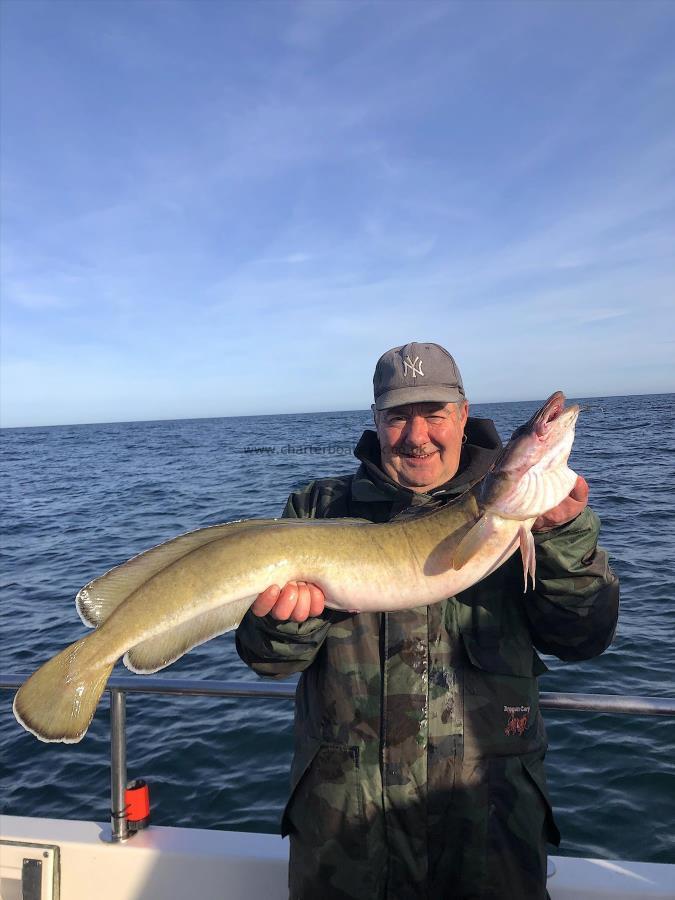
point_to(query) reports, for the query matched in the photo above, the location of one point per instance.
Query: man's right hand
(296, 601)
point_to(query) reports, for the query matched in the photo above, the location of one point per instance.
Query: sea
(79, 499)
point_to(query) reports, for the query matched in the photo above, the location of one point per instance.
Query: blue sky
(233, 208)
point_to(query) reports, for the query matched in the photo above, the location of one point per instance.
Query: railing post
(118, 765)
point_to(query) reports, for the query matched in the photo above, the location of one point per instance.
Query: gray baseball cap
(416, 373)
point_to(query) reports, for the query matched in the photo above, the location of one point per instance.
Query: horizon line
(302, 412)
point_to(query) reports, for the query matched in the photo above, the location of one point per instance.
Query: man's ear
(464, 412)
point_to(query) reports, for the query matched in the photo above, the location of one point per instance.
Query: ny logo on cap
(414, 366)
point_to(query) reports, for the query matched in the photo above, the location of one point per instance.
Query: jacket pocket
(326, 799)
(533, 767)
(500, 702)
(302, 760)
(520, 824)
(503, 657)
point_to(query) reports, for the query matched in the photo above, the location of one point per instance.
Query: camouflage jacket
(413, 728)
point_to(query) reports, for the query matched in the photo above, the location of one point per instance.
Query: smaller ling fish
(158, 605)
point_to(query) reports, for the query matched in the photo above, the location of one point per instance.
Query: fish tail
(59, 700)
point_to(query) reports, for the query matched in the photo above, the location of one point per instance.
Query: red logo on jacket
(518, 719)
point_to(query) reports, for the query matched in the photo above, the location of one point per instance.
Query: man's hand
(296, 601)
(569, 509)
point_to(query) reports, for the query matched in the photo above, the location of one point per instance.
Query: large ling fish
(158, 605)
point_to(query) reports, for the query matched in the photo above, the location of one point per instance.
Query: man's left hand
(564, 512)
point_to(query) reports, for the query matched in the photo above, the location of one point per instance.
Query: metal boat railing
(119, 686)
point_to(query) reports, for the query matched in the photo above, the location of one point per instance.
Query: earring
(464, 439)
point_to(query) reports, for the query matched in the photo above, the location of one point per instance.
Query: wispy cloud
(601, 314)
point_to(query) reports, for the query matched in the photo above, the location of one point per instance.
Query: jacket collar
(372, 484)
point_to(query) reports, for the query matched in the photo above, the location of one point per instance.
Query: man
(418, 769)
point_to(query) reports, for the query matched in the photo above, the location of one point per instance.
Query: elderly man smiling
(419, 747)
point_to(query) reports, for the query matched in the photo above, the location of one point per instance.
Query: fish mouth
(550, 411)
(552, 419)
(553, 416)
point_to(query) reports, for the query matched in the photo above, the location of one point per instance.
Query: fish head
(531, 475)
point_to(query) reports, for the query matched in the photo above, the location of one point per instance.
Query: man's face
(421, 443)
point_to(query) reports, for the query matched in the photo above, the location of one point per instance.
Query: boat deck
(178, 863)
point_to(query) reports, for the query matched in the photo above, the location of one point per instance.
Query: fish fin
(528, 554)
(99, 599)
(59, 700)
(160, 651)
(473, 541)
